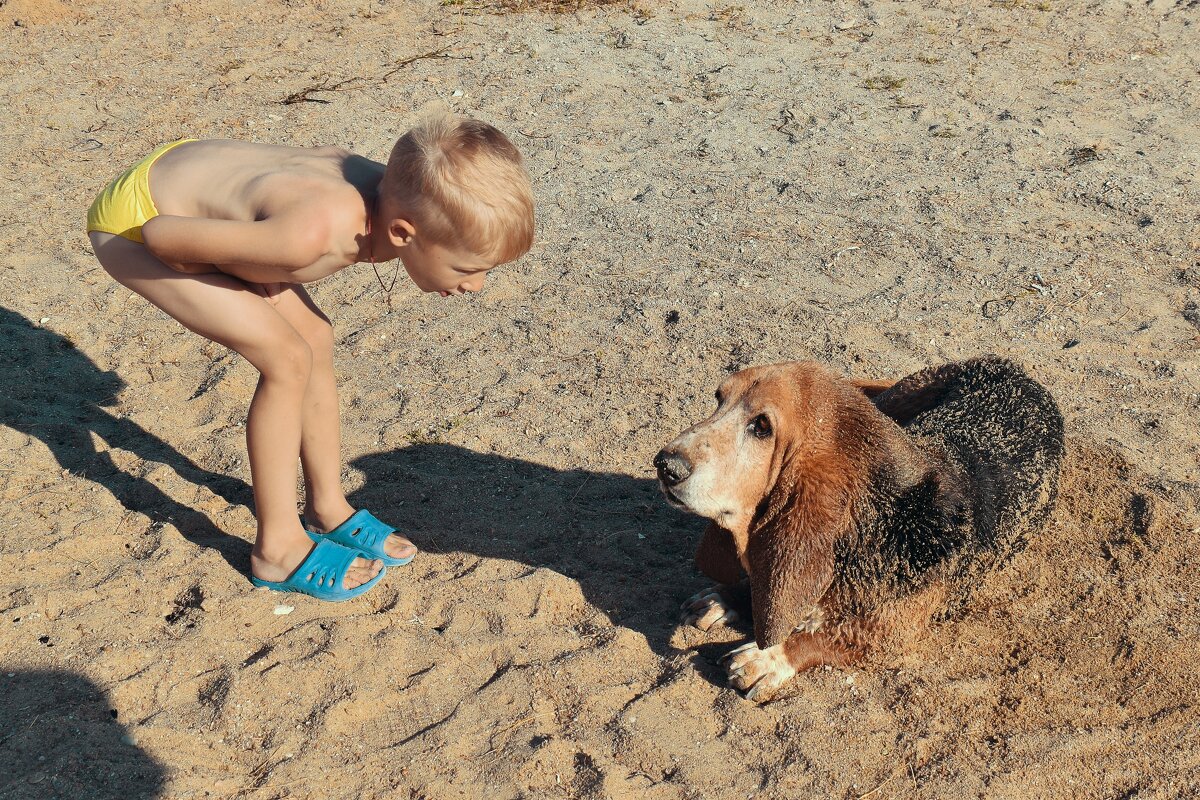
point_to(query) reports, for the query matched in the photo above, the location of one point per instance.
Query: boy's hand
(269, 291)
(194, 269)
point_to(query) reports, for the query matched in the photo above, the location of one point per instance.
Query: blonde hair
(463, 182)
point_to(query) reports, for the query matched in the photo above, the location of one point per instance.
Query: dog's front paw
(707, 609)
(758, 673)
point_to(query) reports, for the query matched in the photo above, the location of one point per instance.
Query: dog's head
(768, 420)
(779, 465)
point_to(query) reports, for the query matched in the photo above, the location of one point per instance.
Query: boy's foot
(322, 574)
(395, 547)
(280, 564)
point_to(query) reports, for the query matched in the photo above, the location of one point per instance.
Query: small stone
(281, 610)
(43, 320)
(457, 93)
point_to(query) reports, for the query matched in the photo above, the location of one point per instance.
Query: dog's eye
(760, 426)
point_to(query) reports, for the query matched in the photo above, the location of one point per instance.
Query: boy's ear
(401, 232)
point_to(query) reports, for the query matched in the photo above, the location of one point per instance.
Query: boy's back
(318, 192)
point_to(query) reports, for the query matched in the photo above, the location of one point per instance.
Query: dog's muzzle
(672, 468)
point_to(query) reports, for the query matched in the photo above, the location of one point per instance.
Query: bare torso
(246, 181)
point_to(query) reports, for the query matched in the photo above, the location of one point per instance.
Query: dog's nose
(672, 467)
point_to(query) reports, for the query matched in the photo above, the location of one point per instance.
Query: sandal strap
(363, 532)
(325, 566)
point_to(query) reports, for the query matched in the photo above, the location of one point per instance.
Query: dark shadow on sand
(630, 552)
(55, 393)
(61, 740)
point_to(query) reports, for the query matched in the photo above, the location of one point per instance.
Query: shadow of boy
(56, 394)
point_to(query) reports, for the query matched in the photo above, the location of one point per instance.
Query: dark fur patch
(992, 442)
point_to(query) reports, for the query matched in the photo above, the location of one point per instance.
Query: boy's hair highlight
(464, 183)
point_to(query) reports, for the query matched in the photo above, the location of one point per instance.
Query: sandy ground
(880, 186)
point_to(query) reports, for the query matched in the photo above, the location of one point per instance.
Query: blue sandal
(321, 574)
(364, 533)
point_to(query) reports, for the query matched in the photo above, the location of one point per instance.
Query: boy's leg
(229, 312)
(325, 505)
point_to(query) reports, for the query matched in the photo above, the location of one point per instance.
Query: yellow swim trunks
(125, 205)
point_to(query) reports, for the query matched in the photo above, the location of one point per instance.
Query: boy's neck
(377, 244)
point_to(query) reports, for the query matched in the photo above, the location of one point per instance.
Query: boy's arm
(265, 251)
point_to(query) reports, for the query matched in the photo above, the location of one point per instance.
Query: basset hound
(858, 510)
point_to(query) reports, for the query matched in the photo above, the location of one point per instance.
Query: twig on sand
(877, 788)
(834, 258)
(31, 725)
(350, 84)
(515, 724)
(580, 489)
(121, 522)
(788, 125)
(1002, 306)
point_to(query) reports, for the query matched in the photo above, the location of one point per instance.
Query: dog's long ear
(873, 389)
(918, 392)
(791, 557)
(717, 556)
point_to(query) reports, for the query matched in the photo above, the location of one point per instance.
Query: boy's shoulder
(320, 182)
(331, 214)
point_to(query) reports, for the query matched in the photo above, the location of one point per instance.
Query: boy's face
(445, 270)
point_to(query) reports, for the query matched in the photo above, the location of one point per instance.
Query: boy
(221, 235)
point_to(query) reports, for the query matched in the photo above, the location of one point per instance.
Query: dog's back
(996, 436)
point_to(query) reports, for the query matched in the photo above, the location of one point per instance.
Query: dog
(859, 510)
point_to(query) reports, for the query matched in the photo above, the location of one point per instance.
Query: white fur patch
(722, 455)
(758, 672)
(813, 619)
(706, 609)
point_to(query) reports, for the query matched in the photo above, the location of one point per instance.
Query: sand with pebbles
(876, 185)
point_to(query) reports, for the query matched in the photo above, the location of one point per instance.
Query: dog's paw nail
(710, 617)
(760, 692)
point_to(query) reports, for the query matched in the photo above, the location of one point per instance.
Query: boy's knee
(320, 340)
(290, 360)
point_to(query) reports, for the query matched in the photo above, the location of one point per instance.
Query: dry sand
(880, 186)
